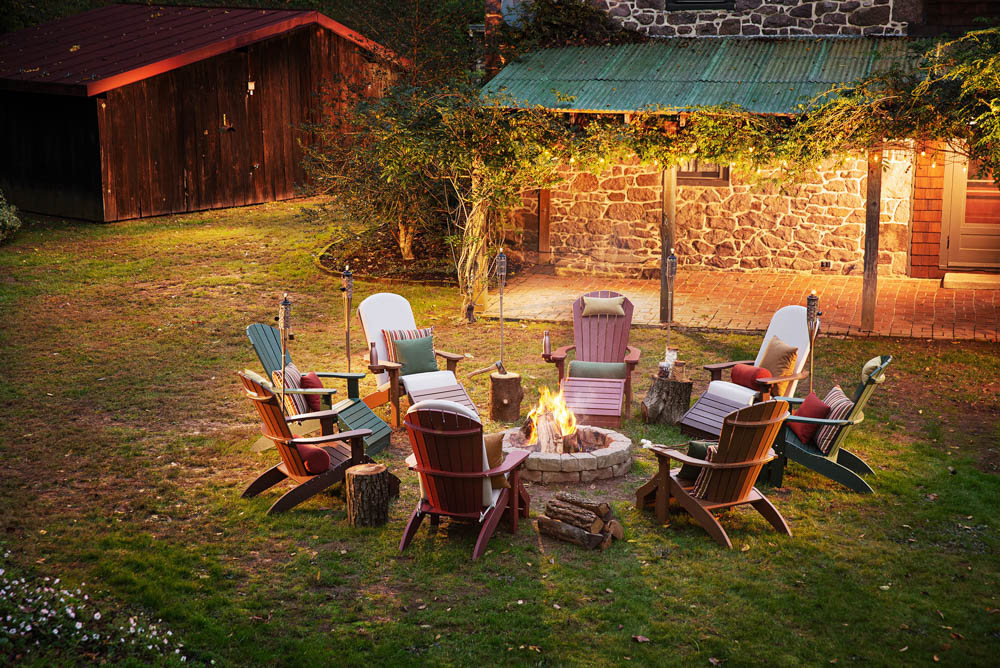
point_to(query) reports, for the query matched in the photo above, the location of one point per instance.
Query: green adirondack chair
(839, 465)
(352, 412)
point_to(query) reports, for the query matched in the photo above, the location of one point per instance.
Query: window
(700, 173)
(699, 4)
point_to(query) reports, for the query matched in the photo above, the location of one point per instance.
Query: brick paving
(731, 301)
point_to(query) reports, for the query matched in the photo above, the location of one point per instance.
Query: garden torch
(671, 274)
(347, 287)
(812, 313)
(284, 324)
(502, 278)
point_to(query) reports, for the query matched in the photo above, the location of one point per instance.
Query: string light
(934, 164)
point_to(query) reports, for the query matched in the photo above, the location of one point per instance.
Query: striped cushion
(393, 335)
(840, 406)
(295, 404)
(701, 484)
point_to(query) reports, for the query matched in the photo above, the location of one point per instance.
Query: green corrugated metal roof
(762, 75)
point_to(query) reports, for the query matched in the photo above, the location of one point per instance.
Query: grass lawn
(126, 446)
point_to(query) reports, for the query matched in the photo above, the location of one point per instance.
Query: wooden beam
(667, 224)
(873, 206)
(544, 210)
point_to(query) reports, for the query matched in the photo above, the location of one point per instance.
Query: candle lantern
(347, 288)
(812, 317)
(501, 279)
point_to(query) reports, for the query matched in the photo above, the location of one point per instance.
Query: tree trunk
(405, 233)
(368, 492)
(506, 394)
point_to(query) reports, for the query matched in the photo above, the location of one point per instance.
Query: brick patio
(731, 301)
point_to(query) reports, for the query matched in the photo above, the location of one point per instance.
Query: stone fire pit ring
(612, 459)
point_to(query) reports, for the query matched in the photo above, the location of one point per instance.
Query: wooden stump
(506, 394)
(369, 489)
(667, 400)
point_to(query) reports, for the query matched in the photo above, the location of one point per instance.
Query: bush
(9, 222)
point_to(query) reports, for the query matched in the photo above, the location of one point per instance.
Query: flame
(552, 403)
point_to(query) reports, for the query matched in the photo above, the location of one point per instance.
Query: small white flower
(97, 615)
(79, 625)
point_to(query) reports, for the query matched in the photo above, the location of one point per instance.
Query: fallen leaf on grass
(745, 548)
(903, 649)
(715, 662)
(557, 606)
(640, 638)
(610, 591)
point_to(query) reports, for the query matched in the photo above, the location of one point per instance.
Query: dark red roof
(117, 45)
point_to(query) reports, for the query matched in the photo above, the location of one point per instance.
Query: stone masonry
(778, 18)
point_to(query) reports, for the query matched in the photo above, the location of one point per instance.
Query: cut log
(506, 394)
(666, 401)
(549, 437)
(599, 508)
(615, 528)
(369, 489)
(568, 533)
(575, 515)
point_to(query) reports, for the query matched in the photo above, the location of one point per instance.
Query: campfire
(551, 424)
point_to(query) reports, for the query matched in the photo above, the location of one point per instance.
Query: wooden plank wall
(49, 154)
(194, 138)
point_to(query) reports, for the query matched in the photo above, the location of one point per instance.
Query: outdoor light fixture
(347, 288)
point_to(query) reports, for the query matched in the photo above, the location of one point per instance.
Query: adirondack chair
(744, 447)
(450, 459)
(383, 311)
(704, 418)
(345, 449)
(352, 413)
(600, 338)
(839, 464)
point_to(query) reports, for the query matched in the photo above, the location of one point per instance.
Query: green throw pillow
(416, 355)
(578, 369)
(696, 450)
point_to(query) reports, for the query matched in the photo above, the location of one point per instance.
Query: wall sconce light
(251, 85)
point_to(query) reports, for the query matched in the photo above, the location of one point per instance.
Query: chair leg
(707, 520)
(849, 460)
(771, 514)
(646, 494)
(411, 528)
(265, 480)
(525, 504)
(490, 523)
(837, 473)
(773, 472)
(309, 488)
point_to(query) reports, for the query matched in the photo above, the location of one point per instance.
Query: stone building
(767, 56)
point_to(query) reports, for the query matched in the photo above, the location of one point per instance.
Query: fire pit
(563, 451)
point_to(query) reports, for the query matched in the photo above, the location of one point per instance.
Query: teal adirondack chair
(839, 465)
(352, 412)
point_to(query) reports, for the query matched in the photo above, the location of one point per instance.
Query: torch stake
(671, 275)
(812, 312)
(502, 276)
(284, 323)
(347, 287)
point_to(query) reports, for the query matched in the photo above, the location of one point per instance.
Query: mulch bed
(376, 255)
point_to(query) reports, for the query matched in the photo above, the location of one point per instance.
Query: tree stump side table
(506, 394)
(667, 400)
(369, 488)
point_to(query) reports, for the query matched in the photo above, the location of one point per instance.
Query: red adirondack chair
(600, 338)
(345, 449)
(450, 459)
(744, 447)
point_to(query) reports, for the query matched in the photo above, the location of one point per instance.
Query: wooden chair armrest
(317, 415)
(701, 463)
(559, 354)
(455, 357)
(632, 355)
(791, 400)
(341, 374)
(511, 462)
(783, 379)
(306, 390)
(339, 436)
(385, 365)
(716, 369)
(824, 421)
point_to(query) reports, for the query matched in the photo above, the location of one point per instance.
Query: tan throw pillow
(494, 456)
(603, 306)
(779, 358)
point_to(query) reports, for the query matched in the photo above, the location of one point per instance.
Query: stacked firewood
(571, 518)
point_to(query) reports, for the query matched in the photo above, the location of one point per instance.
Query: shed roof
(117, 45)
(762, 75)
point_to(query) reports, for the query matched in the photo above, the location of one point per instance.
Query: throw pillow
(840, 407)
(578, 369)
(603, 306)
(697, 450)
(311, 381)
(747, 375)
(393, 335)
(494, 456)
(295, 404)
(701, 484)
(811, 407)
(317, 460)
(779, 358)
(416, 355)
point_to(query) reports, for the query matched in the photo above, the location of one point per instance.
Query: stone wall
(609, 224)
(779, 18)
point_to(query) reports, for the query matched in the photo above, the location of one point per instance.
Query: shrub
(9, 222)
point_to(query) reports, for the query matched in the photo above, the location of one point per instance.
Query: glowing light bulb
(933, 164)
(923, 153)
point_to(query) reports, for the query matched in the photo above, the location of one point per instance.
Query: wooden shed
(133, 110)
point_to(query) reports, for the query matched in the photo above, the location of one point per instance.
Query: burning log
(551, 424)
(573, 519)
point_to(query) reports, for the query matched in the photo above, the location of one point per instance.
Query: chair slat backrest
(601, 338)
(446, 441)
(861, 396)
(273, 425)
(384, 310)
(747, 435)
(266, 342)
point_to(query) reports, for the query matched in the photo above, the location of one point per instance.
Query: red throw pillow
(811, 407)
(313, 401)
(746, 375)
(317, 460)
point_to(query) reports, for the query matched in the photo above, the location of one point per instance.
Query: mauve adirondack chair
(345, 449)
(450, 458)
(600, 338)
(744, 447)
(839, 464)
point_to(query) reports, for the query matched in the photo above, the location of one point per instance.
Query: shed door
(970, 221)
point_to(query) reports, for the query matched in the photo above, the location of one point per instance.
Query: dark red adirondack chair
(744, 447)
(599, 338)
(450, 458)
(345, 449)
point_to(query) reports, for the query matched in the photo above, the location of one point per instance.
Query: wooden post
(544, 209)
(869, 288)
(506, 394)
(667, 223)
(368, 491)
(494, 21)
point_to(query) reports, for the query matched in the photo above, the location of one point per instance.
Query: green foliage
(10, 223)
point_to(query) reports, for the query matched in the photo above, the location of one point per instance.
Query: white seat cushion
(429, 380)
(731, 391)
